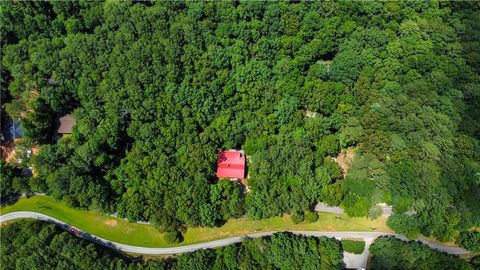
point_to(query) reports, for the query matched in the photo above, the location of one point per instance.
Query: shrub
(297, 217)
(173, 237)
(404, 224)
(356, 206)
(352, 246)
(311, 217)
(375, 212)
(476, 262)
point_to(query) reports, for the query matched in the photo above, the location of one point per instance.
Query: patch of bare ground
(35, 150)
(345, 159)
(111, 223)
(8, 152)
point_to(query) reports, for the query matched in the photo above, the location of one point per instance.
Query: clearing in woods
(345, 159)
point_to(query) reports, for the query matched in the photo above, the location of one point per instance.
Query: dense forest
(391, 253)
(470, 241)
(158, 88)
(12, 183)
(37, 245)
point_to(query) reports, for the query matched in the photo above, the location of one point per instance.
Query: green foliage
(158, 89)
(37, 245)
(404, 224)
(476, 262)
(356, 207)
(470, 241)
(173, 237)
(12, 182)
(332, 194)
(280, 251)
(8, 173)
(297, 217)
(375, 212)
(353, 246)
(311, 217)
(392, 253)
(292, 187)
(289, 251)
(253, 145)
(38, 123)
(402, 205)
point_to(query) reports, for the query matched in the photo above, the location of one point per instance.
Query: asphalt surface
(351, 260)
(321, 207)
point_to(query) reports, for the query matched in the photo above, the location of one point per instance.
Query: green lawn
(353, 246)
(118, 230)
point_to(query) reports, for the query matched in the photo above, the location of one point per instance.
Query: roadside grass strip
(353, 246)
(146, 235)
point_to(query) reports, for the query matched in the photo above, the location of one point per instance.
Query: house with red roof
(231, 164)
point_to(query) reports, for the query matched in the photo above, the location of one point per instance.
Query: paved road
(358, 261)
(351, 260)
(321, 207)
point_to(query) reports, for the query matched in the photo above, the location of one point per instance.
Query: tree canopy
(37, 245)
(392, 253)
(158, 88)
(470, 241)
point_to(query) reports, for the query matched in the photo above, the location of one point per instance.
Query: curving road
(351, 260)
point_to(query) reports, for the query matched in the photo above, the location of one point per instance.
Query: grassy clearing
(353, 246)
(469, 256)
(121, 231)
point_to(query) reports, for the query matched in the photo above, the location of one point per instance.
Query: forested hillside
(391, 253)
(158, 88)
(37, 245)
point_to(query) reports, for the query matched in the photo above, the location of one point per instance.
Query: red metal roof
(231, 164)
